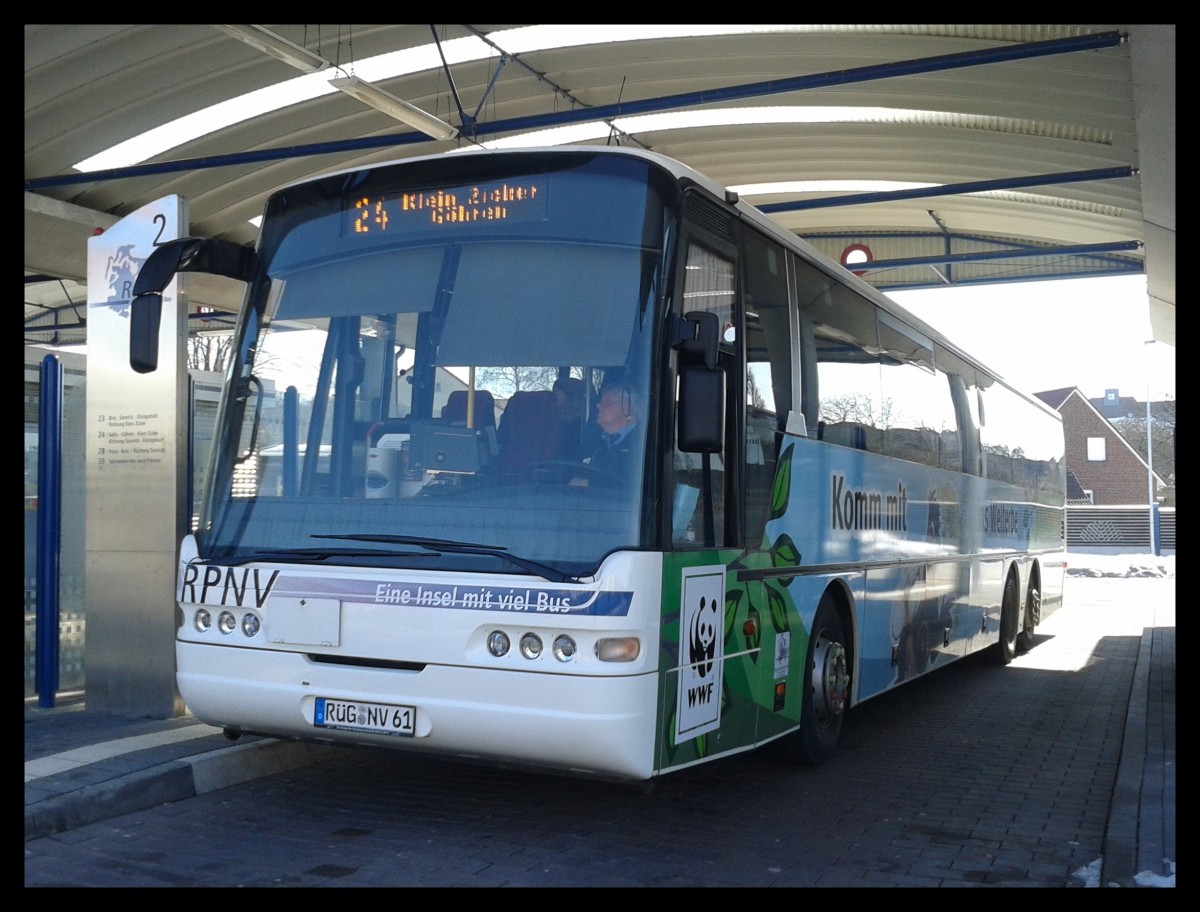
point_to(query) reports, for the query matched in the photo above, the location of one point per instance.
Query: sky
(1087, 333)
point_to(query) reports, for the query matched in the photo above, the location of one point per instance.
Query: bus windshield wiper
(545, 571)
(309, 555)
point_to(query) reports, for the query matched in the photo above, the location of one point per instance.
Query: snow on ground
(1090, 875)
(1120, 565)
(1148, 879)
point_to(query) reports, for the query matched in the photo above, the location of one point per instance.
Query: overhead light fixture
(280, 48)
(394, 107)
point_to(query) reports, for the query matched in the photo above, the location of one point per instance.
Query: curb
(175, 780)
(1120, 847)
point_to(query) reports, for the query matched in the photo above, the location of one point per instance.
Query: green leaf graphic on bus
(784, 553)
(778, 609)
(671, 746)
(733, 599)
(782, 485)
(739, 562)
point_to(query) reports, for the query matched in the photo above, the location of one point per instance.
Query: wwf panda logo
(702, 637)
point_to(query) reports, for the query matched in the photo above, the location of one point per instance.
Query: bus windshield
(421, 362)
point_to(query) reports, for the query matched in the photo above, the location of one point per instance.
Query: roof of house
(1055, 398)
(1074, 488)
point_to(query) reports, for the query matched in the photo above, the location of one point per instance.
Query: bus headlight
(618, 649)
(497, 643)
(251, 624)
(226, 622)
(202, 620)
(531, 646)
(564, 648)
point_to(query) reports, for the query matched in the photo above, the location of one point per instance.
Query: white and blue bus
(827, 498)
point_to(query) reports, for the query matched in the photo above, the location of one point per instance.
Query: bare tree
(858, 408)
(209, 352)
(1162, 436)
(506, 381)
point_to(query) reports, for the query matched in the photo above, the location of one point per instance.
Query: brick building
(1102, 468)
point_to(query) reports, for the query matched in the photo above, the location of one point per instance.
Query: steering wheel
(565, 471)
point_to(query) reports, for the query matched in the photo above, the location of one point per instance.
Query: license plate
(379, 718)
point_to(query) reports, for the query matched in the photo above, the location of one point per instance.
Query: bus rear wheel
(827, 687)
(1006, 649)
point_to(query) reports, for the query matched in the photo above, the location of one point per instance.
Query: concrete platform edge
(175, 780)
(1120, 853)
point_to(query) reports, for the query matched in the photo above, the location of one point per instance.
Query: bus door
(709, 654)
(761, 643)
(767, 337)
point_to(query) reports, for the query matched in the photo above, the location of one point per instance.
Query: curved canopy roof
(1015, 152)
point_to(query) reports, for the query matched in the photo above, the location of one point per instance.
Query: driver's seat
(528, 433)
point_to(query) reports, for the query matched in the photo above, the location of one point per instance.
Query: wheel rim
(1033, 617)
(831, 679)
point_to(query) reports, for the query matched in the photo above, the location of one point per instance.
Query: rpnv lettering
(225, 585)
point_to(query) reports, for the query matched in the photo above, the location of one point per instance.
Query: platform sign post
(136, 474)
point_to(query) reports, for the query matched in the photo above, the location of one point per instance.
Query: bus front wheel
(827, 687)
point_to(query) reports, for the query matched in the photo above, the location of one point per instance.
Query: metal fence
(1122, 528)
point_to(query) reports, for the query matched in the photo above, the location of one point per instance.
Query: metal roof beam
(1005, 183)
(814, 81)
(621, 108)
(1074, 250)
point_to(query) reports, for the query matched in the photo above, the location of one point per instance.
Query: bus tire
(1033, 614)
(1006, 649)
(827, 687)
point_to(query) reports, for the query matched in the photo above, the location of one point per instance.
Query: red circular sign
(865, 257)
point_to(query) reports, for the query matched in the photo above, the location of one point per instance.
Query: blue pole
(49, 528)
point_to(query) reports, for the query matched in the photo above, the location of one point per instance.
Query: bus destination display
(500, 201)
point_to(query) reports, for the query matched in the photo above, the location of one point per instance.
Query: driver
(617, 415)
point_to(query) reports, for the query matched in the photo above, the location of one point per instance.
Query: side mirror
(208, 255)
(701, 416)
(700, 420)
(700, 336)
(145, 317)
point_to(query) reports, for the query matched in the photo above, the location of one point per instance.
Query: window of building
(1095, 449)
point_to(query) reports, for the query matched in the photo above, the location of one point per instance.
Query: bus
(830, 499)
